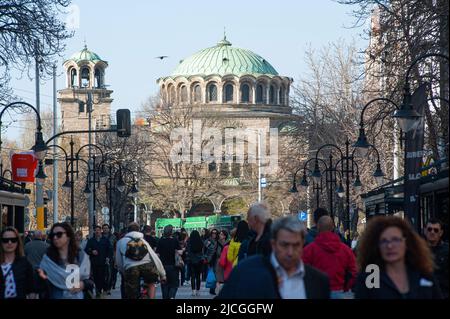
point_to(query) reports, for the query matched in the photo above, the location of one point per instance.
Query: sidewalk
(183, 292)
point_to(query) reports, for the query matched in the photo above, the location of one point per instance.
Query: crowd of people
(260, 258)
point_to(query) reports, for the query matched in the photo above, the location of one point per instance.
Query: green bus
(198, 223)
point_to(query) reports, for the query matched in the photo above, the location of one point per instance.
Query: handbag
(210, 279)
(179, 263)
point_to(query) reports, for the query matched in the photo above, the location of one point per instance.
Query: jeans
(182, 275)
(196, 270)
(188, 271)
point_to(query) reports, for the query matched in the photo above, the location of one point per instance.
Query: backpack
(136, 249)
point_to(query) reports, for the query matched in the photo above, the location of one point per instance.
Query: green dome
(85, 55)
(224, 59)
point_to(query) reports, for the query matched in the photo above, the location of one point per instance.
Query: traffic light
(45, 217)
(123, 119)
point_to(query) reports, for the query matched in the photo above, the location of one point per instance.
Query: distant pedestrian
(312, 232)
(258, 218)
(235, 243)
(224, 262)
(328, 254)
(195, 258)
(111, 269)
(167, 248)
(404, 261)
(100, 251)
(36, 249)
(433, 233)
(16, 273)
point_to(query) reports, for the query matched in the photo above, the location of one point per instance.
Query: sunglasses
(432, 229)
(57, 234)
(13, 240)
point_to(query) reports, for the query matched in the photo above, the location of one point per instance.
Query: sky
(130, 34)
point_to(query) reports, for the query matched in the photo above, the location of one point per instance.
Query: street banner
(23, 166)
(414, 156)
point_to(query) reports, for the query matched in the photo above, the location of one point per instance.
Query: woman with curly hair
(404, 260)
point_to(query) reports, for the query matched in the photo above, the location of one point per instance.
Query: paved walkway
(183, 292)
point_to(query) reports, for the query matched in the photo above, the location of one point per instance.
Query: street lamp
(304, 182)
(316, 175)
(40, 176)
(357, 185)
(361, 145)
(378, 175)
(406, 116)
(340, 190)
(40, 148)
(293, 188)
(134, 191)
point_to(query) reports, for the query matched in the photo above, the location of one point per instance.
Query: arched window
(229, 93)
(271, 95)
(85, 77)
(245, 93)
(281, 95)
(212, 93)
(183, 94)
(259, 93)
(98, 78)
(197, 93)
(73, 77)
(171, 94)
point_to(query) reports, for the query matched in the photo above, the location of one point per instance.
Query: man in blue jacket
(280, 275)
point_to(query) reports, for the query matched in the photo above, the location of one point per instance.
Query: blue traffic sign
(303, 216)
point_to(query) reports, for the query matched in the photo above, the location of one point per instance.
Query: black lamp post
(316, 175)
(317, 188)
(347, 171)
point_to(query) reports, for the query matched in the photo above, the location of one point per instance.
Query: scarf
(58, 275)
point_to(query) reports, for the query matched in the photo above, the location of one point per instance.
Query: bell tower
(85, 94)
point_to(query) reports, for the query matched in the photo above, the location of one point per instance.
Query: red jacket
(328, 254)
(225, 263)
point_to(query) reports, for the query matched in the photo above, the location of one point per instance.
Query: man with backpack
(136, 260)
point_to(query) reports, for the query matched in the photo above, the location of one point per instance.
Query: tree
(30, 29)
(329, 97)
(401, 31)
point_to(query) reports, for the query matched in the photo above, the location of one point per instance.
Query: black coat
(440, 253)
(104, 249)
(256, 278)
(261, 247)
(420, 287)
(23, 276)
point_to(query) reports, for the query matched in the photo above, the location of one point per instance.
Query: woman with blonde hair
(402, 261)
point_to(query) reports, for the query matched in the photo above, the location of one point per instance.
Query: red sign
(23, 167)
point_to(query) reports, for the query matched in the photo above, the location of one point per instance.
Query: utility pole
(55, 162)
(259, 167)
(91, 197)
(39, 185)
